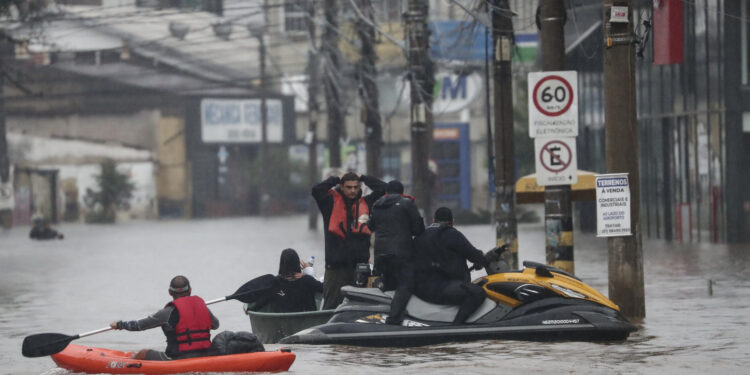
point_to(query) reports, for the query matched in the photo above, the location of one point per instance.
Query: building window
(295, 16)
(387, 10)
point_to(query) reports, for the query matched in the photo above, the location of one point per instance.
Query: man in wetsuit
(442, 275)
(395, 219)
(186, 321)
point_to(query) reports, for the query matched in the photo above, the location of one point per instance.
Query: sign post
(553, 123)
(612, 205)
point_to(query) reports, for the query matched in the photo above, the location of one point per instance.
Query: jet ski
(539, 302)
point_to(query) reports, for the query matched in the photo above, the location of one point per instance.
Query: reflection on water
(104, 273)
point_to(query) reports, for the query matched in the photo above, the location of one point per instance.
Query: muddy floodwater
(102, 273)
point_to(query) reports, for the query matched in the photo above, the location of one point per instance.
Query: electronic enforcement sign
(553, 104)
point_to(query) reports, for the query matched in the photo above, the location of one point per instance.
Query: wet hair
(349, 176)
(289, 263)
(180, 285)
(394, 187)
(443, 215)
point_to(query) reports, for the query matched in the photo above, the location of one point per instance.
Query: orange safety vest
(337, 222)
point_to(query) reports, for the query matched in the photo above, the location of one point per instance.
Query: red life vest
(193, 331)
(337, 222)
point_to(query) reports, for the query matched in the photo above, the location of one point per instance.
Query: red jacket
(193, 330)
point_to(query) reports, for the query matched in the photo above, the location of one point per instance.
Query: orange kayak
(78, 358)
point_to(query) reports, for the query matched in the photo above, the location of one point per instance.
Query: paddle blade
(255, 288)
(44, 344)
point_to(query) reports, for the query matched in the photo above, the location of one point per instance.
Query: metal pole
(422, 81)
(626, 287)
(313, 110)
(558, 218)
(6, 216)
(506, 231)
(263, 126)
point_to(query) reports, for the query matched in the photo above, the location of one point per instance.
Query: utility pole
(506, 232)
(422, 82)
(368, 89)
(313, 109)
(263, 154)
(330, 48)
(621, 143)
(558, 218)
(6, 216)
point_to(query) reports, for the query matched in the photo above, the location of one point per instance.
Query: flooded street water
(99, 274)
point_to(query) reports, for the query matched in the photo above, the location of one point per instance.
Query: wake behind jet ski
(539, 302)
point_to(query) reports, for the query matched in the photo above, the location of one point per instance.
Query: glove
(500, 249)
(476, 267)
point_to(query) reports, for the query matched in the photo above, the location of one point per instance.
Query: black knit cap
(443, 215)
(394, 187)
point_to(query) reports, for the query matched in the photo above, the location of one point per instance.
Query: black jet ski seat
(418, 308)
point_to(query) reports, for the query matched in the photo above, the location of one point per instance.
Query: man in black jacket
(442, 274)
(347, 236)
(395, 219)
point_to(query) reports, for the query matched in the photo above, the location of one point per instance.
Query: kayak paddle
(44, 344)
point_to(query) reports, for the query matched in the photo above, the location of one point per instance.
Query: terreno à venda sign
(613, 205)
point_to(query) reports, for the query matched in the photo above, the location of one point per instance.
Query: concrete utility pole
(625, 253)
(422, 82)
(368, 89)
(6, 216)
(258, 33)
(558, 218)
(313, 109)
(330, 48)
(506, 231)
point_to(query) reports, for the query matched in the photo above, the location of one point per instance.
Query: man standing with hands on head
(347, 236)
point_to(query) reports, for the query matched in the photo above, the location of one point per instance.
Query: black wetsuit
(395, 219)
(442, 275)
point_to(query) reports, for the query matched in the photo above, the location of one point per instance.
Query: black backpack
(229, 342)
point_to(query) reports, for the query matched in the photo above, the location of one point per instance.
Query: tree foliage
(115, 191)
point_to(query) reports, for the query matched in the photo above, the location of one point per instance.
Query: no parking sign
(555, 160)
(553, 104)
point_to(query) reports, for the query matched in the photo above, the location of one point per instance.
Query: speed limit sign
(553, 104)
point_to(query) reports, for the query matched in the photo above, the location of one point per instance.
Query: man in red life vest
(347, 237)
(186, 321)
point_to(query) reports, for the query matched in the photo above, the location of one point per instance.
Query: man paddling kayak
(186, 321)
